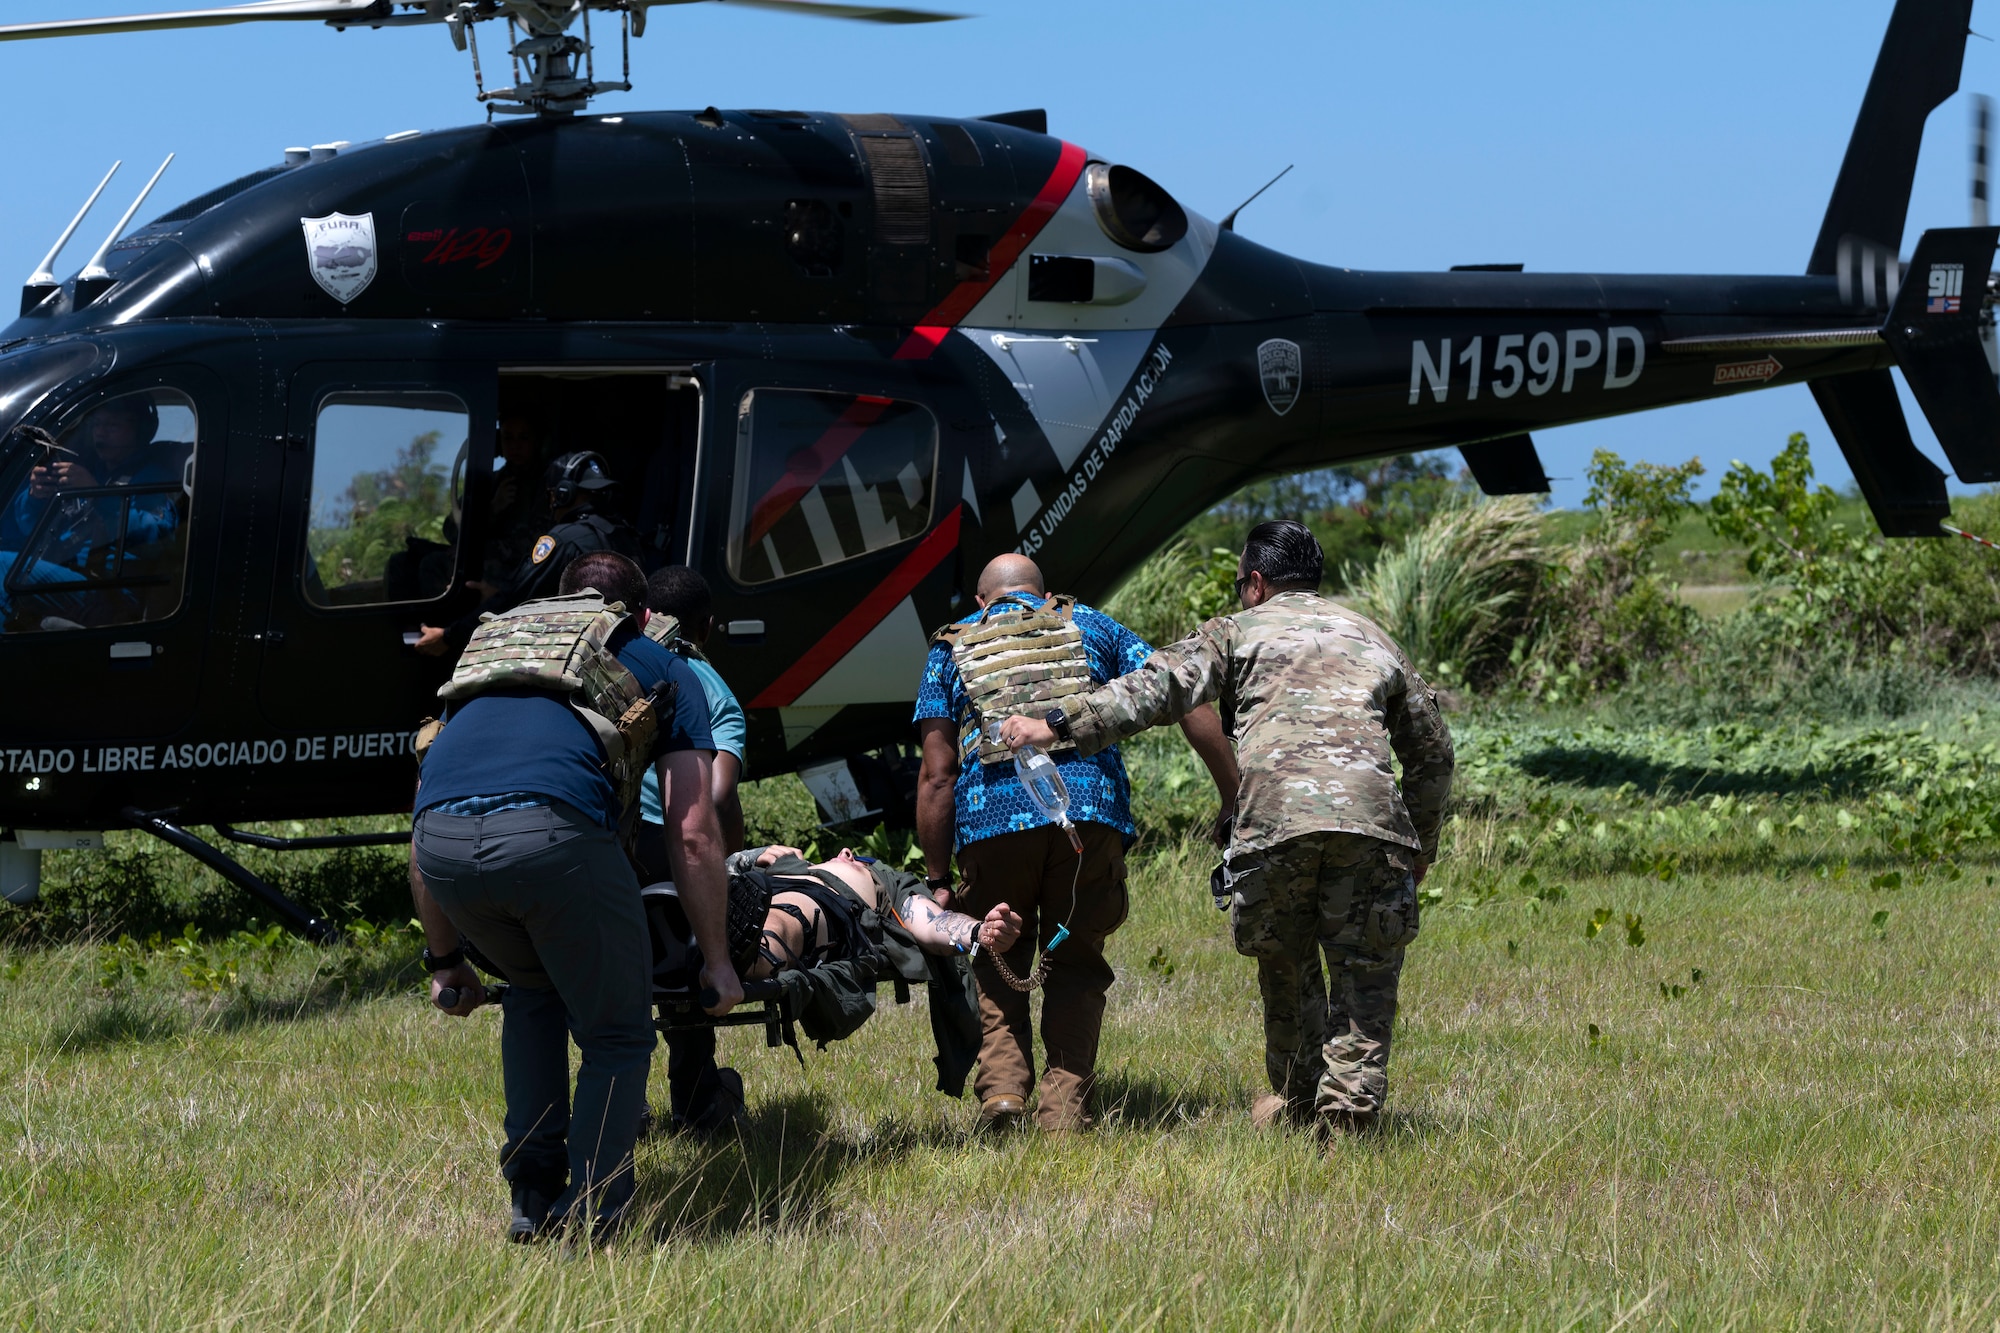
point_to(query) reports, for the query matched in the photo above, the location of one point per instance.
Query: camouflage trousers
(1355, 899)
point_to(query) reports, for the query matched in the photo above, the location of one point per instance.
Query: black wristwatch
(434, 962)
(1059, 723)
(931, 886)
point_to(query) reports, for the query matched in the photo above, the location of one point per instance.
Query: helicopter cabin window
(388, 481)
(94, 532)
(824, 477)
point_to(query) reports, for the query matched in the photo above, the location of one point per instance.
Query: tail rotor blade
(1982, 126)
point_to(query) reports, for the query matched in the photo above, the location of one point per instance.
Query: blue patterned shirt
(988, 801)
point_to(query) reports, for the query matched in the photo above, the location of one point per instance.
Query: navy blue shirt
(532, 741)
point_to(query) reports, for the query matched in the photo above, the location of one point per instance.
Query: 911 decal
(1946, 289)
(1536, 362)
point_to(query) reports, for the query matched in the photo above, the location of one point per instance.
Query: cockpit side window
(387, 500)
(823, 477)
(94, 528)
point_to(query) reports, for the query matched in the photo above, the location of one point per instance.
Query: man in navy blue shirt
(517, 847)
(1009, 853)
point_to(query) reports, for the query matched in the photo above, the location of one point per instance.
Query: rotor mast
(561, 74)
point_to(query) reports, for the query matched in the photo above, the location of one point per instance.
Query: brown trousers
(1032, 872)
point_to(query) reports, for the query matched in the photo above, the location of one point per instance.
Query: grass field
(1760, 1093)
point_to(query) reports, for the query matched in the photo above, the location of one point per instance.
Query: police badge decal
(340, 251)
(1278, 366)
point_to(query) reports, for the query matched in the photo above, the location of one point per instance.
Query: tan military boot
(1001, 1112)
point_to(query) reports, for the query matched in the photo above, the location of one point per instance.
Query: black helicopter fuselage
(837, 362)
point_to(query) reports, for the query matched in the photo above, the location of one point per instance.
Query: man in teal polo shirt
(705, 1098)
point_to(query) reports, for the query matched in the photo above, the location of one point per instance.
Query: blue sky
(1702, 136)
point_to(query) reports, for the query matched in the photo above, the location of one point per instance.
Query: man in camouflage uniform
(1326, 854)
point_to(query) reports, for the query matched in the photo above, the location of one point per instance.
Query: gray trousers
(549, 897)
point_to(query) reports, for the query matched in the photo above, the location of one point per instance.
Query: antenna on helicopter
(560, 73)
(1229, 222)
(95, 280)
(42, 284)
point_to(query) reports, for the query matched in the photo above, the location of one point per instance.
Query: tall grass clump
(1457, 593)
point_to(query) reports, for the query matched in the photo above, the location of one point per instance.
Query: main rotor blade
(862, 13)
(330, 11)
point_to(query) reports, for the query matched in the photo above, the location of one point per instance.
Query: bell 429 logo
(1946, 289)
(1537, 362)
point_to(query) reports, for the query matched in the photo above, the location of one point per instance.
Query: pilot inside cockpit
(85, 563)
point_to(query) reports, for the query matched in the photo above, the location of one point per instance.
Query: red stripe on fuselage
(870, 612)
(1002, 256)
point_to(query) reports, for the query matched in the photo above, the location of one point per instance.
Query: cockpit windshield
(29, 374)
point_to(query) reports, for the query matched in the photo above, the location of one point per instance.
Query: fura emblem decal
(1278, 367)
(340, 250)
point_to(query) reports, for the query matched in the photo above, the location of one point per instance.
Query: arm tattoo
(955, 928)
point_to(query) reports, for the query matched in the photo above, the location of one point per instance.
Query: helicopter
(838, 362)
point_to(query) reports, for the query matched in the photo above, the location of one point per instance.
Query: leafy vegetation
(1176, 590)
(374, 519)
(1357, 509)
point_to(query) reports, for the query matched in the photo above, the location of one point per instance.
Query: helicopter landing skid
(275, 844)
(290, 913)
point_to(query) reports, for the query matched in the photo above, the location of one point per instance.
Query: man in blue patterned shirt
(1008, 852)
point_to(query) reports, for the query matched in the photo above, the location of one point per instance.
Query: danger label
(1747, 372)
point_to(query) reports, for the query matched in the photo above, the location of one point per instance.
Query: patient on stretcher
(806, 922)
(817, 940)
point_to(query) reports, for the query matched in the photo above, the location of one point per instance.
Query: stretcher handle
(447, 997)
(766, 989)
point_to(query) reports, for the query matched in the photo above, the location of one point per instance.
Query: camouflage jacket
(1316, 698)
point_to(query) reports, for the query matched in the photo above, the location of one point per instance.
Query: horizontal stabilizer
(1506, 467)
(1904, 490)
(1933, 329)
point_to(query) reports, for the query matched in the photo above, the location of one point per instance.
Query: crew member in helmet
(1023, 651)
(573, 481)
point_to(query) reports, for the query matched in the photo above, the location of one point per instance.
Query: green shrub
(1175, 590)
(1457, 593)
(1604, 609)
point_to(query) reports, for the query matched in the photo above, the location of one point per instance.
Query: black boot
(533, 1195)
(719, 1111)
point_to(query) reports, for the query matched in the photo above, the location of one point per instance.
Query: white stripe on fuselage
(1071, 362)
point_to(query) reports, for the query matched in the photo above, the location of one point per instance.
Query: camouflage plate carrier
(558, 644)
(1021, 657)
(666, 631)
